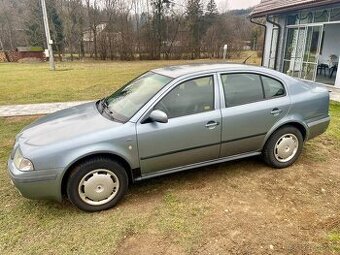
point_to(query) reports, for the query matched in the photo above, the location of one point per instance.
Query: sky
(236, 4)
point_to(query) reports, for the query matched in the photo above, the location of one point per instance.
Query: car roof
(182, 70)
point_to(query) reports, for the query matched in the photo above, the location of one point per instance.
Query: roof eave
(292, 8)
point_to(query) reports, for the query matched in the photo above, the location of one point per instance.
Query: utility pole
(48, 36)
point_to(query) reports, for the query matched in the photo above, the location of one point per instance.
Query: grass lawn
(241, 207)
(76, 81)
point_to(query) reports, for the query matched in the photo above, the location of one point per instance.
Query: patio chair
(333, 60)
(332, 70)
(322, 68)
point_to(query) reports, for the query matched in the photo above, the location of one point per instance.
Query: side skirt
(197, 165)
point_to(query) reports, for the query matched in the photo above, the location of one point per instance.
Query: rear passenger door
(251, 104)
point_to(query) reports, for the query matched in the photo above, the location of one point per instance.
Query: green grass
(335, 115)
(321, 148)
(73, 81)
(334, 238)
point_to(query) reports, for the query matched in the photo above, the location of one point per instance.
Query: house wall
(281, 43)
(32, 54)
(337, 80)
(331, 46)
(268, 38)
(331, 43)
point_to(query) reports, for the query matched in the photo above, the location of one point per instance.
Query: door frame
(148, 108)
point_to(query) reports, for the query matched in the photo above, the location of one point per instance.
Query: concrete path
(335, 94)
(35, 109)
(38, 109)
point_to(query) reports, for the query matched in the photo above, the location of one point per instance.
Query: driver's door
(193, 131)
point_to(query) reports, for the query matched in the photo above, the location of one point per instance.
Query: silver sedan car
(166, 120)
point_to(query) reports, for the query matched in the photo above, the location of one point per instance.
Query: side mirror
(158, 116)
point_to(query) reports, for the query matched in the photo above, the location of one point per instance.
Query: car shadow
(231, 169)
(159, 185)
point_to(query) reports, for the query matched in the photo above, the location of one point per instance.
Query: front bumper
(44, 184)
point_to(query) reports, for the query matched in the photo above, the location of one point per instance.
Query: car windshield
(125, 102)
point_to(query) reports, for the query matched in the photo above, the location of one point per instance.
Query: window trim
(178, 82)
(223, 102)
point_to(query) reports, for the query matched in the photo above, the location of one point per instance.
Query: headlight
(22, 163)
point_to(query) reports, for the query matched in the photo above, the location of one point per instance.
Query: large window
(306, 17)
(240, 89)
(314, 16)
(302, 51)
(335, 14)
(190, 97)
(321, 16)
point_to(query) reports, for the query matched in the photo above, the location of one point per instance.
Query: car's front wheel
(283, 148)
(97, 184)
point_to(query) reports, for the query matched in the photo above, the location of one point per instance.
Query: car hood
(65, 125)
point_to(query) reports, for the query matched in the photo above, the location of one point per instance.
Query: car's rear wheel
(97, 184)
(283, 148)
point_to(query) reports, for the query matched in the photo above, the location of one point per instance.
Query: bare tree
(195, 19)
(129, 29)
(8, 22)
(72, 19)
(93, 15)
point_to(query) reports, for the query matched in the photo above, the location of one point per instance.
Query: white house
(302, 38)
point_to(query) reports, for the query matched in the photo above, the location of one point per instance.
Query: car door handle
(212, 124)
(276, 111)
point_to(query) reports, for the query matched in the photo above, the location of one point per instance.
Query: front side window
(191, 97)
(125, 102)
(242, 89)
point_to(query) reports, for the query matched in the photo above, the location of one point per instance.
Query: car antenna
(245, 61)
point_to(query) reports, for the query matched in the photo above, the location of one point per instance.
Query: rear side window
(242, 89)
(272, 88)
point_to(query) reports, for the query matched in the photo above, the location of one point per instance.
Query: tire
(97, 184)
(283, 147)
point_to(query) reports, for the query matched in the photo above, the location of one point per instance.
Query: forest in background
(127, 30)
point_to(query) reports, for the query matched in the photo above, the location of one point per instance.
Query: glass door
(312, 52)
(294, 51)
(302, 51)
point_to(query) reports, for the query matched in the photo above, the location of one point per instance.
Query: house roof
(267, 7)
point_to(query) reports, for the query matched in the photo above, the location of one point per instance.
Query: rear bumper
(318, 127)
(37, 184)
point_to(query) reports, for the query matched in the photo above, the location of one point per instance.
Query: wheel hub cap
(286, 148)
(98, 187)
